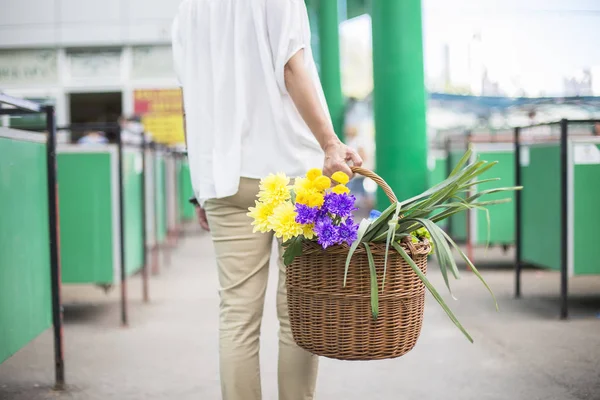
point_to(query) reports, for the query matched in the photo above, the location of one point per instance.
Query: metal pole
(53, 215)
(518, 207)
(144, 224)
(177, 197)
(564, 218)
(124, 315)
(155, 248)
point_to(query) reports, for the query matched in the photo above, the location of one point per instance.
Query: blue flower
(340, 205)
(306, 215)
(348, 231)
(327, 233)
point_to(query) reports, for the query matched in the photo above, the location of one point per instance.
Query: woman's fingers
(355, 157)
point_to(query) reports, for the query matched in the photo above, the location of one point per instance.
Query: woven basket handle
(378, 180)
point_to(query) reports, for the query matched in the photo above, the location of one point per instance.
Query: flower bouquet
(356, 291)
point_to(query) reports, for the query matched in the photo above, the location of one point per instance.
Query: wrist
(330, 142)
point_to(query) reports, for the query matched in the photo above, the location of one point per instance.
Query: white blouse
(229, 57)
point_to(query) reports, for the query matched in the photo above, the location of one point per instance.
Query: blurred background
(411, 84)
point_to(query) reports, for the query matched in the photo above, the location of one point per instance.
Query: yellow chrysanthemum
(310, 197)
(314, 174)
(260, 215)
(308, 231)
(340, 177)
(274, 189)
(283, 222)
(301, 184)
(322, 183)
(340, 189)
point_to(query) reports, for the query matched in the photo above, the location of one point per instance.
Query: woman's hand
(337, 155)
(202, 220)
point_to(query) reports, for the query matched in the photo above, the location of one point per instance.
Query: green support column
(400, 97)
(331, 76)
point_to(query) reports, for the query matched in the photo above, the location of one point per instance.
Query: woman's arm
(301, 88)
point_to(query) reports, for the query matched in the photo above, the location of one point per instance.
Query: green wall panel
(459, 221)
(541, 207)
(502, 216)
(186, 191)
(25, 305)
(438, 174)
(586, 206)
(86, 225)
(132, 192)
(161, 199)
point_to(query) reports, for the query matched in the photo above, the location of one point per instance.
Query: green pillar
(331, 76)
(399, 97)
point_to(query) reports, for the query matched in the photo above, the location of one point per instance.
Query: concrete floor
(170, 350)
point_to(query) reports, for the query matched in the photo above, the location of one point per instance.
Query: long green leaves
(374, 285)
(399, 220)
(470, 264)
(364, 225)
(432, 290)
(393, 224)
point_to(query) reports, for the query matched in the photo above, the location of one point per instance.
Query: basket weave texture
(334, 321)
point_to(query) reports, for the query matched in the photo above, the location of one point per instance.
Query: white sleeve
(177, 46)
(286, 22)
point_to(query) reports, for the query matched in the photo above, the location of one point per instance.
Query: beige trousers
(243, 262)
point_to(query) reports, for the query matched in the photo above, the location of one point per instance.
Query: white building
(87, 56)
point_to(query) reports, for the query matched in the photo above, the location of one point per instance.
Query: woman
(253, 106)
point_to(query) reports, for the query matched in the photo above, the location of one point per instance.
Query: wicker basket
(333, 321)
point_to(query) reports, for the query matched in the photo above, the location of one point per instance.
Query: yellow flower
(260, 214)
(314, 174)
(274, 189)
(340, 177)
(340, 189)
(283, 222)
(310, 197)
(322, 183)
(301, 184)
(308, 231)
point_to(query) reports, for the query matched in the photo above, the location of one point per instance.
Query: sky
(532, 42)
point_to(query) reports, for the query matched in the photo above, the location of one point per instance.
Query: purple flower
(340, 205)
(327, 233)
(348, 231)
(306, 215)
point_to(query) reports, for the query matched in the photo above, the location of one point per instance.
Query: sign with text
(28, 67)
(161, 111)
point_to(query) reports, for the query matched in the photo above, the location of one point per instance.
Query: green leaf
(475, 183)
(432, 290)
(457, 179)
(464, 159)
(379, 223)
(440, 241)
(473, 269)
(374, 285)
(292, 250)
(442, 252)
(390, 234)
(492, 191)
(364, 225)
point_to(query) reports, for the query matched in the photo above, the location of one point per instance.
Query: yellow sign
(161, 111)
